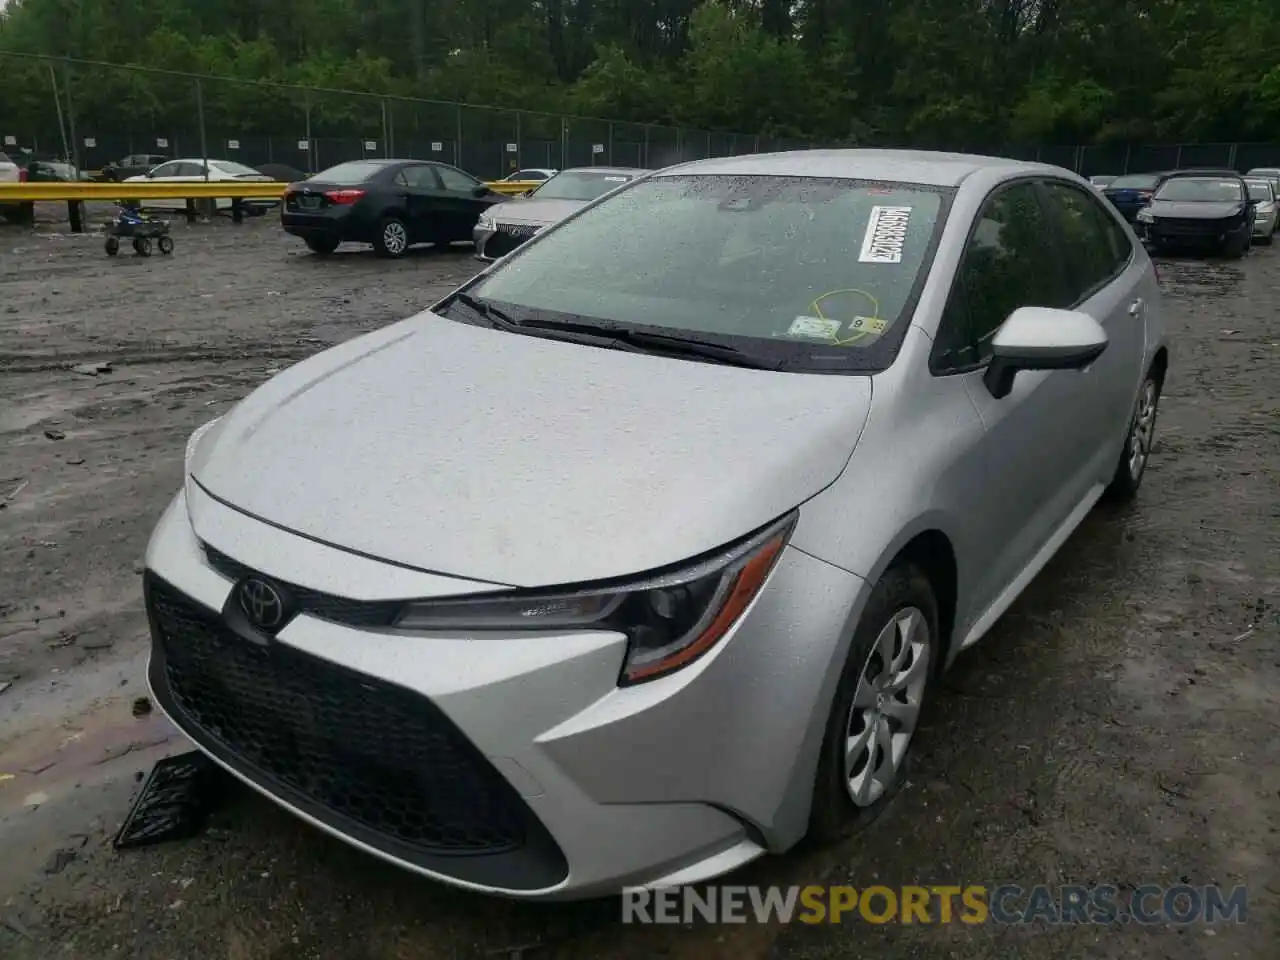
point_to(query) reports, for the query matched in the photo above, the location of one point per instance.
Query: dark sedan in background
(391, 204)
(1193, 209)
(499, 232)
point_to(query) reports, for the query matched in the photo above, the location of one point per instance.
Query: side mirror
(1042, 338)
(481, 191)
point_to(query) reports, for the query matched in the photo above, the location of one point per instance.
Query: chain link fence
(97, 113)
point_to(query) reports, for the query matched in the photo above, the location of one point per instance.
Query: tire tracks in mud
(153, 356)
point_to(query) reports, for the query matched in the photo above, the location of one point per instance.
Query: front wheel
(142, 246)
(392, 239)
(1137, 445)
(112, 246)
(166, 245)
(884, 687)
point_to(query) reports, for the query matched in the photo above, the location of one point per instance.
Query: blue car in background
(1133, 191)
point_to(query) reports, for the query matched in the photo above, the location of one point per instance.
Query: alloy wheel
(394, 237)
(1140, 435)
(886, 706)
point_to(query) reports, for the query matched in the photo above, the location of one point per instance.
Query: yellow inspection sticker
(867, 325)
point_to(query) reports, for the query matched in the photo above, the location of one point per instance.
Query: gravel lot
(1118, 726)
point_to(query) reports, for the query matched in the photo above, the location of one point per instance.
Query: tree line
(930, 73)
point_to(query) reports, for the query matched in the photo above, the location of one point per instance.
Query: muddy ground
(1118, 726)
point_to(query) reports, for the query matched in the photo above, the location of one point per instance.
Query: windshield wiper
(487, 310)
(666, 343)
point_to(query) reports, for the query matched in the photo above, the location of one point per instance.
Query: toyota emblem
(261, 603)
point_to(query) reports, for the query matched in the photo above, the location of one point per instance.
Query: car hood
(525, 461)
(1194, 211)
(533, 210)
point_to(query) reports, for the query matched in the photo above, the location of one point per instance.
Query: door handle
(1137, 307)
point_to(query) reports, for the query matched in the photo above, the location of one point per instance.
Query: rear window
(1135, 181)
(356, 171)
(817, 273)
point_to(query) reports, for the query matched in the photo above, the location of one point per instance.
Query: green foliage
(954, 73)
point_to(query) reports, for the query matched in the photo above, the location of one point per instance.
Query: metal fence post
(1128, 148)
(610, 154)
(71, 118)
(519, 145)
(57, 105)
(386, 133)
(457, 139)
(645, 161)
(204, 143)
(1177, 163)
(306, 106)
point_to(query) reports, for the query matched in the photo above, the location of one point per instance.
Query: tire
(166, 245)
(1132, 466)
(392, 238)
(903, 592)
(142, 246)
(112, 246)
(1266, 239)
(321, 245)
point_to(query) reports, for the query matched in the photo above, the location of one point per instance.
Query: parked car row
(1217, 209)
(394, 204)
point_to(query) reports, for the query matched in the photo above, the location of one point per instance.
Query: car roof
(630, 171)
(894, 166)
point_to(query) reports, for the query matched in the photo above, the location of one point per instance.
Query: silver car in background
(506, 226)
(1265, 212)
(639, 555)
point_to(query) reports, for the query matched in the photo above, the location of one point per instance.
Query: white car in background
(529, 174)
(10, 172)
(199, 171)
(1265, 213)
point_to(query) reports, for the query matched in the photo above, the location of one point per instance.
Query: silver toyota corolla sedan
(639, 555)
(505, 226)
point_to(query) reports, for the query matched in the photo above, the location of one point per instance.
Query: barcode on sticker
(886, 235)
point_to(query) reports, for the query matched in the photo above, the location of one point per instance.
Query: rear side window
(1009, 262)
(455, 180)
(1092, 253)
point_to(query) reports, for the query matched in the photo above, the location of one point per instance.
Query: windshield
(233, 168)
(1200, 190)
(1135, 181)
(581, 184)
(1260, 190)
(817, 274)
(356, 171)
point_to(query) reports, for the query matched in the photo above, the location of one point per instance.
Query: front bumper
(1207, 233)
(1264, 226)
(511, 765)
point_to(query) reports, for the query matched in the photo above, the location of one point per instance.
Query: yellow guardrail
(512, 187)
(194, 189)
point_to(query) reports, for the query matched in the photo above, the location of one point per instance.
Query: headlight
(1144, 216)
(194, 440)
(670, 620)
(485, 222)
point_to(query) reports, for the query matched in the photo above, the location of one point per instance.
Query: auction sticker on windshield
(818, 328)
(886, 235)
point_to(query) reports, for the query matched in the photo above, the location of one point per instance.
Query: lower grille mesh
(362, 749)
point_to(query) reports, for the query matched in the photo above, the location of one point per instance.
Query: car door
(1036, 448)
(171, 172)
(422, 192)
(465, 198)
